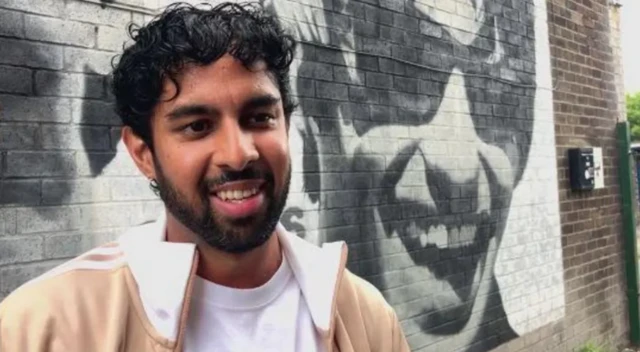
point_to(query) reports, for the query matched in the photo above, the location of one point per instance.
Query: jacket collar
(162, 270)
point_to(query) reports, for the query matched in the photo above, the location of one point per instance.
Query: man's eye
(197, 127)
(262, 120)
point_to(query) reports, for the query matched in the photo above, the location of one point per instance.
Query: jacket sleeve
(25, 326)
(399, 341)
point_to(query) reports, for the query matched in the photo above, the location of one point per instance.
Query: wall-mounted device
(586, 171)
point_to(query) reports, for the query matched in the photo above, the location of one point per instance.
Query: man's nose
(235, 147)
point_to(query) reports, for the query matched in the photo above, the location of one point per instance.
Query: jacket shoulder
(64, 297)
(367, 321)
(367, 295)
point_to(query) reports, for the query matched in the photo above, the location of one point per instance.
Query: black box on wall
(581, 169)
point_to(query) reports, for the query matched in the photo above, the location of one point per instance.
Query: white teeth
(236, 194)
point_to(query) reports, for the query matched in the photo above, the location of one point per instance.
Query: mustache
(249, 173)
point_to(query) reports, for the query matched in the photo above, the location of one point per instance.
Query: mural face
(412, 154)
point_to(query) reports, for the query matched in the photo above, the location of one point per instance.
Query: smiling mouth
(239, 199)
(236, 195)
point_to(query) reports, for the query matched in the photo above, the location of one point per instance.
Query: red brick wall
(586, 112)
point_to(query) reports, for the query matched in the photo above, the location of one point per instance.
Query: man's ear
(139, 152)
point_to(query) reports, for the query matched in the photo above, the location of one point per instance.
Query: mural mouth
(449, 246)
(446, 224)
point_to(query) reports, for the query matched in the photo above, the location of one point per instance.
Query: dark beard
(231, 236)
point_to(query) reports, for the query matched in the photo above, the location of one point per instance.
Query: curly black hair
(187, 34)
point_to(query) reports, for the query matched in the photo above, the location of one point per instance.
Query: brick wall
(431, 137)
(586, 111)
(65, 184)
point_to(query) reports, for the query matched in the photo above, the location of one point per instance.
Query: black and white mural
(425, 140)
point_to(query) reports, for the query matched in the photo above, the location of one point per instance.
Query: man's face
(431, 153)
(221, 153)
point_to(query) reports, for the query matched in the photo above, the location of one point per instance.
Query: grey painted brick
(47, 219)
(130, 188)
(115, 136)
(440, 46)
(25, 164)
(17, 52)
(355, 111)
(317, 107)
(7, 221)
(20, 249)
(101, 216)
(392, 66)
(18, 108)
(395, 5)
(430, 88)
(415, 40)
(111, 38)
(515, 39)
(404, 53)
(82, 191)
(15, 80)
(94, 13)
(430, 29)
(378, 15)
(405, 84)
(367, 62)
(22, 192)
(366, 28)
(14, 276)
(406, 22)
(66, 245)
(94, 112)
(151, 210)
(119, 164)
(304, 87)
(334, 20)
(330, 56)
(405, 100)
(86, 60)
(62, 137)
(343, 75)
(12, 23)
(379, 80)
(316, 70)
(140, 3)
(59, 31)
(45, 7)
(373, 46)
(392, 34)
(18, 136)
(332, 91)
(353, 8)
(69, 84)
(363, 95)
(511, 14)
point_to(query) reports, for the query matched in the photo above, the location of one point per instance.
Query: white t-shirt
(272, 317)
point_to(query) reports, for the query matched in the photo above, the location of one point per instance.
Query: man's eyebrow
(191, 110)
(260, 101)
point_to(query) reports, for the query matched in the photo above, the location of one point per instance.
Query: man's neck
(237, 270)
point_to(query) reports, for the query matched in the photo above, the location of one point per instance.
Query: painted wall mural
(425, 141)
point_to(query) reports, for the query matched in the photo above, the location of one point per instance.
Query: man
(203, 94)
(429, 148)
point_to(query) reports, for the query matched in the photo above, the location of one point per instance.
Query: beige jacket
(133, 296)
